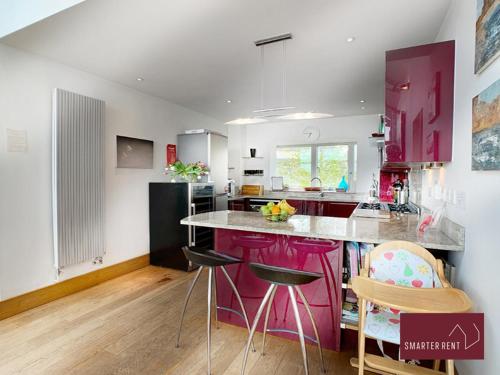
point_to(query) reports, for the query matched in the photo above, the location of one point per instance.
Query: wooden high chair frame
(406, 299)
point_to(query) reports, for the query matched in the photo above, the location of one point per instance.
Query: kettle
(231, 188)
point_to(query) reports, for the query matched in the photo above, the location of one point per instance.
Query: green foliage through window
(299, 164)
(294, 164)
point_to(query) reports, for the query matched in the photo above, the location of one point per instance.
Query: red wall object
(419, 85)
(171, 154)
(387, 178)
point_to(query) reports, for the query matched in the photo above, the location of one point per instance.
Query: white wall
(478, 266)
(27, 82)
(265, 138)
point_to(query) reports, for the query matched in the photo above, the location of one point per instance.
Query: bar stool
(292, 279)
(211, 260)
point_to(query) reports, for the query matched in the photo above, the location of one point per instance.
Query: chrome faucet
(321, 194)
(319, 179)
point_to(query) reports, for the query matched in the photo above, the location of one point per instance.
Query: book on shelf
(350, 313)
(355, 256)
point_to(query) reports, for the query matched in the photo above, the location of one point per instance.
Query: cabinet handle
(193, 212)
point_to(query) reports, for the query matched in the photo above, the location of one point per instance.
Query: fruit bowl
(276, 218)
(277, 212)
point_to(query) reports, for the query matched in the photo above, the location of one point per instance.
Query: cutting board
(252, 190)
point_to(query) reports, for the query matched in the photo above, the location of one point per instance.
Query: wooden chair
(432, 294)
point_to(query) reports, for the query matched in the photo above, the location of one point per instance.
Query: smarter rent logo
(442, 336)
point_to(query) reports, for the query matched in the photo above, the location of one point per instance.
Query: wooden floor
(128, 326)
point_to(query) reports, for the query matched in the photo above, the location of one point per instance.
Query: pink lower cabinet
(298, 205)
(300, 253)
(313, 208)
(236, 205)
(339, 209)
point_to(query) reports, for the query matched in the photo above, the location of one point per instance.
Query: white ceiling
(198, 53)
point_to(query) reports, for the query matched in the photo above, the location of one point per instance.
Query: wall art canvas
(486, 129)
(134, 153)
(487, 33)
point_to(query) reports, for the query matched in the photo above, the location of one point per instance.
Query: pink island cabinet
(300, 253)
(419, 83)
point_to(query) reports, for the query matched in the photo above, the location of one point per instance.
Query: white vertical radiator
(77, 178)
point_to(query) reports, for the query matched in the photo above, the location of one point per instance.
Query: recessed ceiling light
(229, 101)
(350, 39)
(362, 107)
(140, 79)
(246, 120)
(362, 101)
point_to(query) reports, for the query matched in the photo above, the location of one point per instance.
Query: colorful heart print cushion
(401, 267)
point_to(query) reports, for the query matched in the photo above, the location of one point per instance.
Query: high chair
(400, 276)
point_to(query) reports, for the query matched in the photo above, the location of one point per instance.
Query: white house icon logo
(458, 327)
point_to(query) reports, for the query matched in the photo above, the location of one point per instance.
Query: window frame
(351, 160)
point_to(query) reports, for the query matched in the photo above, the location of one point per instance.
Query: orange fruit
(275, 210)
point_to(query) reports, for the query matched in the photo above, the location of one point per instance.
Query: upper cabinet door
(419, 86)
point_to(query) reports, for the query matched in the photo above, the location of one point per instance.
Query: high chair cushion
(398, 267)
(401, 267)
(383, 324)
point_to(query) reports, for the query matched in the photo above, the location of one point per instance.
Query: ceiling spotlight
(350, 39)
(362, 101)
(140, 79)
(229, 101)
(362, 107)
(246, 120)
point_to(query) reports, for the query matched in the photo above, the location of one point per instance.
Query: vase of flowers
(191, 172)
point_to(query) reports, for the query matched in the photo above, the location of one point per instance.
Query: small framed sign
(171, 154)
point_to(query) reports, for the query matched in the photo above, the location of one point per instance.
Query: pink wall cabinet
(419, 84)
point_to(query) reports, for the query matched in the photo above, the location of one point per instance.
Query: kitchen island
(310, 243)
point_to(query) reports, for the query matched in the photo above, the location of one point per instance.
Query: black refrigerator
(168, 204)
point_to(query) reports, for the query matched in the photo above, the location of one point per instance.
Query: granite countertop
(353, 229)
(329, 196)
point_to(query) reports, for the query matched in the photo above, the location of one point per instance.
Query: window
(299, 164)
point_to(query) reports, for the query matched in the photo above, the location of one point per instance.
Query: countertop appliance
(168, 204)
(210, 148)
(231, 188)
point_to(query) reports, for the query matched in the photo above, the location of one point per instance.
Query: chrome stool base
(212, 290)
(268, 300)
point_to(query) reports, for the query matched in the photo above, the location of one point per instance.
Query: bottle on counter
(397, 188)
(343, 185)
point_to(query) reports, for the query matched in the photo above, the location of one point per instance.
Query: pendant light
(263, 114)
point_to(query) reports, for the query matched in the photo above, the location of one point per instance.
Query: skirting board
(64, 288)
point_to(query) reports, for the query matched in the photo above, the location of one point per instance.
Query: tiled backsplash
(415, 182)
(453, 230)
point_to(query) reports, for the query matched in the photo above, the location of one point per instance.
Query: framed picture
(487, 33)
(134, 153)
(486, 129)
